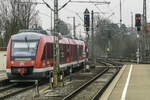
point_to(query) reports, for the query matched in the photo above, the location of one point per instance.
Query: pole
(74, 27)
(144, 15)
(92, 32)
(120, 13)
(87, 42)
(132, 20)
(51, 20)
(146, 49)
(138, 48)
(86, 66)
(56, 46)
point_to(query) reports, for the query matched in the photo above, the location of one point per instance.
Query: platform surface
(3, 75)
(2, 60)
(132, 84)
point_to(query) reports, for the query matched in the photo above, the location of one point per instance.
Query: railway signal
(138, 21)
(87, 19)
(138, 25)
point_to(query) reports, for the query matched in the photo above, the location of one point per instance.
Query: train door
(77, 52)
(71, 53)
(68, 52)
(48, 58)
(44, 57)
(62, 53)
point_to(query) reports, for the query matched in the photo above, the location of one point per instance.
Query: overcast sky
(128, 6)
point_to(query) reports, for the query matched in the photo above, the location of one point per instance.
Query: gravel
(78, 79)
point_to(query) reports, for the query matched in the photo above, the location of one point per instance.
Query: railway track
(13, 89)
(94, 88)
(3, 88)
(100, 83)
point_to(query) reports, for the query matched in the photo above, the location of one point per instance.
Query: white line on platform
(123, 97)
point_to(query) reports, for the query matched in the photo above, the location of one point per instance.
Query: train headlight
(32, 62)
(12, 62)
(44, 64)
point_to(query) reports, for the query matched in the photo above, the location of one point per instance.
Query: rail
(101, 90)
(74, 93)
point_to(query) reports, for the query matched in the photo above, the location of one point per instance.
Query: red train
(30, 55)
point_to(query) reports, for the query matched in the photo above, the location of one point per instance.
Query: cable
(65, 5)
(48, 5)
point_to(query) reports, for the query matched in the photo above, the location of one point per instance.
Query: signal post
(138, 25)
(86, 26)
(92, 37)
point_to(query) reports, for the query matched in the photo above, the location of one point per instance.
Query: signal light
(86, 19)
(138, 20)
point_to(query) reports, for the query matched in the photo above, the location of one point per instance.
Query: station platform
(3, 75)
(131, 83)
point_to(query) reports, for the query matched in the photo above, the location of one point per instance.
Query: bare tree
(63, 28)
(16, 16)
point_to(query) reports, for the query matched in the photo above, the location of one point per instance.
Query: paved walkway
(2, 60)
(132, 83)
(3, 76)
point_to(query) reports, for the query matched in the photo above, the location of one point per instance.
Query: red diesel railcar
(30, 55)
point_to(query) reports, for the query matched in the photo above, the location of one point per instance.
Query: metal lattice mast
(144, 16)
(56, 35)
(145, 26)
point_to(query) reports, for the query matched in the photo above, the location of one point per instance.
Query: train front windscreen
(23, 50)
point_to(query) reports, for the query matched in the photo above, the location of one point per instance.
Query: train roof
(28, 35)
(35, 31)
(71, 41)
(37, 36)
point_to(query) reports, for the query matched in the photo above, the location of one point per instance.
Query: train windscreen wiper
(26, 40)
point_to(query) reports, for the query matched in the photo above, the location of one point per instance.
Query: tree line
(15, 16)
(112, 40)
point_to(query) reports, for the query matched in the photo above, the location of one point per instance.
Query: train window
(76, 55)
(72, 50)
(61, 52)
(80, 50)
(65, 52)
(68, 49)
(51, 53)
